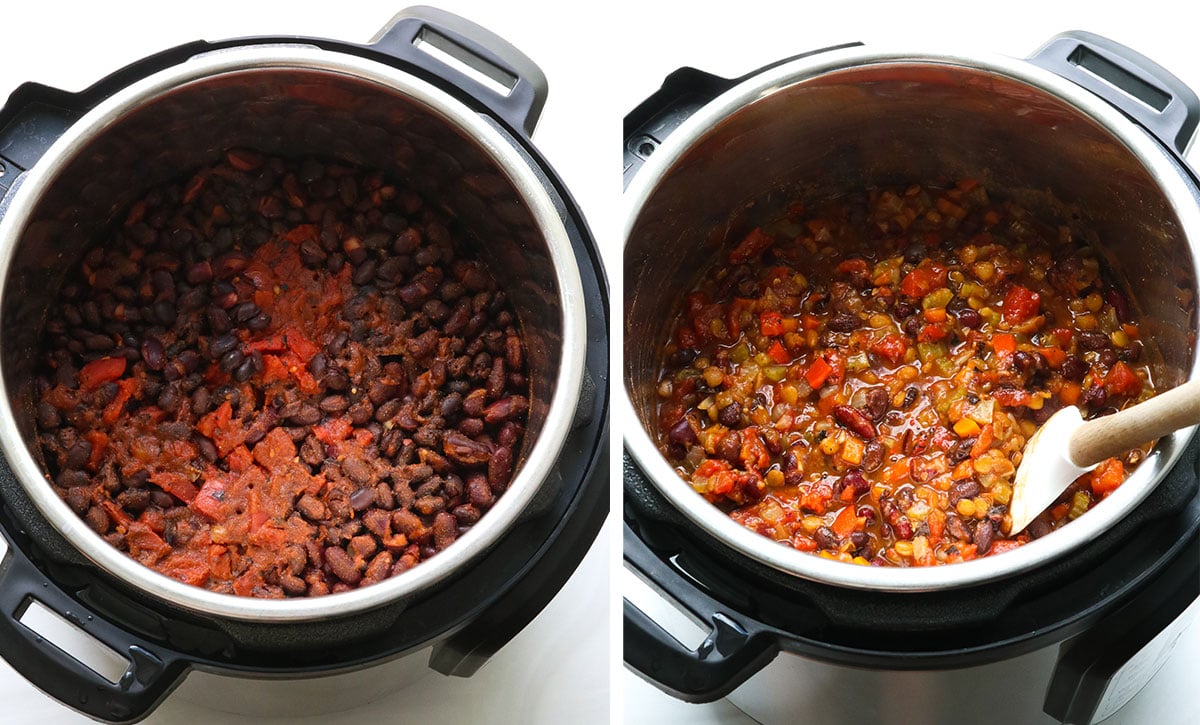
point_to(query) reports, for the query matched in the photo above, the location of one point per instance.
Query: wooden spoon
(1067, 447)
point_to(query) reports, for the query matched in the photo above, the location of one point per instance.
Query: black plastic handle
(728, 656)
(1139, 87)
(475, 47)
(149, 678)
(1092, 664)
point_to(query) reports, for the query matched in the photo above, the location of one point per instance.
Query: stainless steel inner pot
(850, 119)
(294, 100)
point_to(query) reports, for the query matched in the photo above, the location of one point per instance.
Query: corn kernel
(982, 504)
(830, 444)
(713, 376)
(879, 321)
(908, 373)
(904, 548)
(1119, 338)
(1094, 302)
(789, 393)
(1086, 322)
(1002, 492)
(965, 507)
(984, 270)
(811, 523)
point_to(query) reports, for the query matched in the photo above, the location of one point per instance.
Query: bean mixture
(859, 380)
(281, 378)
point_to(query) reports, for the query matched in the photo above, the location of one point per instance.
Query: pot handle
(1139, 87)
(729, 654)
(1101, 670)
(148, 678)
(458, 50)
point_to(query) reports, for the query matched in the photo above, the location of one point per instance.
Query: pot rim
(529, 480)
(1148, 150)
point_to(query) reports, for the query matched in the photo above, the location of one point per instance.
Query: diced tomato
(1121, 380)
(932, 333)
(1069, 392)
(754, 454)
(1054, 356)
(209, 501)
(99, 441)
(301, 233)
(1002, 545)
(778, 353)
(1061, 336)
(709, 467)
(818, 373)
(752, 245)
(937, 524)
(923, 280)
(1011, 397)
(770, 324)
(175, 484)
(935, 314)
(187, 566)
(99, 372)
(987, 434)
(891, 347)
(333, 430)
(1107, 476)
(301, 345)
(145, 545)
(125, 390)
(1005, 346)
(846, 522)
(810, 322)
(275, 451)
(1020, 304)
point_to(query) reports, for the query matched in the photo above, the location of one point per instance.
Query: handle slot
(73, 640)
(658, 607)
(1139, 89)
(478, 69)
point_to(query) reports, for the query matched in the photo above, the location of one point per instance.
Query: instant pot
(432, 99)
(1066, 628)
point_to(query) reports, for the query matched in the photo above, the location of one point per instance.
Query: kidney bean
(341, 565)
(855, 421)
(876, 403)
(855, 480)
(499, 468)
(984, 535)
(968, 488)
(873, 453)
(97, 520)
(1089, 340)
(969, 318)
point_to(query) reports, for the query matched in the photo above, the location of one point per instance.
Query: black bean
(730, 415)
(362, 499)
(826, 539)
(244, 311)
(843, 322)
(308, 414)
(1029, 362)
(1074, 368)
(231, 360)
(222, 345)
(334, 403)
(730, 446)
(261, 321)
(245, 370)
(207, 449)
(78, 455)
(200, 272)
(1107, 357)
(969, 318)
(1089, 340)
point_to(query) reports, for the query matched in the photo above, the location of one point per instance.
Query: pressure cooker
(460, 131)
(1074, 623)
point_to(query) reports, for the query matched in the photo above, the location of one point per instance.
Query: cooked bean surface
(248, 387)
(859, 380)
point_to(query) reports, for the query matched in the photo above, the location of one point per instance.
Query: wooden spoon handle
(1114, 434)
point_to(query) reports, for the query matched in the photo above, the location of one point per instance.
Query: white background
(601, 59)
